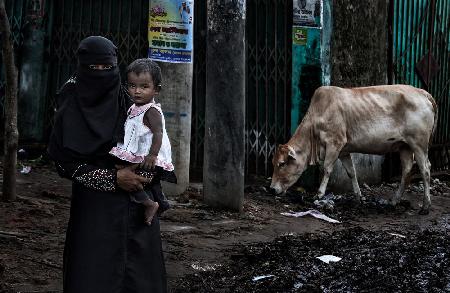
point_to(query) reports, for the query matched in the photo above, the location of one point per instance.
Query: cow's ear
(291, 153)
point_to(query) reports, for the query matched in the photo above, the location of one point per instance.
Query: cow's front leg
(331, 155)
(347, 162)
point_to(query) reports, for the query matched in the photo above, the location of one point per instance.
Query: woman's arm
(88, 175)
(102, 179)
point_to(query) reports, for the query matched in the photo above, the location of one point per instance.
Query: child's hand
(149, 163)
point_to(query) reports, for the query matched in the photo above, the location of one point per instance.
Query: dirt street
(382, 249)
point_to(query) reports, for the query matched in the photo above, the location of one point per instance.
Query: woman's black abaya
(108, 248)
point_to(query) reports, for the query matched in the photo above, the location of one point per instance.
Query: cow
(368, 120)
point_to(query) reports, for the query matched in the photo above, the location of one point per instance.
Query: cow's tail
(435, 110)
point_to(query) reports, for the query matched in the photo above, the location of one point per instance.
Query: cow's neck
(304, 141)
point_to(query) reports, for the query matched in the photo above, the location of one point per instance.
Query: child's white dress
(138, 139)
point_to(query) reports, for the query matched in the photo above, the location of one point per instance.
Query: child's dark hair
(143, 65)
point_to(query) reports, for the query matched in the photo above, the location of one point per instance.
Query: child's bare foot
(151, 207)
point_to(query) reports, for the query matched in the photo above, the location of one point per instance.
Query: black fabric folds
(92, 109)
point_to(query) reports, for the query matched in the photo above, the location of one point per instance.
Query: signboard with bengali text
(171, 30)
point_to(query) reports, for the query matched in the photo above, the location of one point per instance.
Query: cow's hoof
(424, 211)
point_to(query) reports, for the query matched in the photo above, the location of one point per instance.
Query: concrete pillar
(176, 101)
(224, 154)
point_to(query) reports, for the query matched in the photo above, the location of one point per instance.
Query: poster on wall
(300, 35)
(171, 30)
(307, 12)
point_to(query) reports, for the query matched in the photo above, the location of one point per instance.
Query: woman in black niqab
(108, 248)
(91, 110)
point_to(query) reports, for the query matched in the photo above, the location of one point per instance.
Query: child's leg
(159, 196)
(151, 207)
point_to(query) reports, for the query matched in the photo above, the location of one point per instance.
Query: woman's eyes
(100, 67)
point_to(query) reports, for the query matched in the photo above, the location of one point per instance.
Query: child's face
(141, 87)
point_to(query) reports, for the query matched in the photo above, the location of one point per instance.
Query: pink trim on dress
(165, 165)
(135, 110)
(126, 156)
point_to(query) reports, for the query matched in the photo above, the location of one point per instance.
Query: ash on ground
(372, 261)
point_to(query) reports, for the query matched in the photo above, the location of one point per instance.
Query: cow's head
(288, 165)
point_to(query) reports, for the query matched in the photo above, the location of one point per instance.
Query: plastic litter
(300, 189)
(314, 213)
(205, 267)
(329, 258)
(397, 235)
(25, 169)
(261, 277)
(324, 203)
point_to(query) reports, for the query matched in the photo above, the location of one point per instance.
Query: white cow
(368, 120)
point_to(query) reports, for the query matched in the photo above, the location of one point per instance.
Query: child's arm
(153, 120)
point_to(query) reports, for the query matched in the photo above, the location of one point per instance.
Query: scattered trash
(397, 235)
(176, 228)
(204, 268)
(314, 213)
(393, 185)
(300, 189)
(327, 204)
(25, 169)
(288, 234)
(22, 154)
(327, 258)
(328, 196)
(382, 201)
(261, 277)
(298, 285)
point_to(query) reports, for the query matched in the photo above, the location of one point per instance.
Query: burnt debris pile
(371, 261)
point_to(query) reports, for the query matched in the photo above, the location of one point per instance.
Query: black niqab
(90, 118)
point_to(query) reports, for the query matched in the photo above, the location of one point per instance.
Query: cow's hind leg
(424, 166)
(406, 159)
(331, 155)
(347, 162)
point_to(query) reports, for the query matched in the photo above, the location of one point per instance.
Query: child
(146, 142)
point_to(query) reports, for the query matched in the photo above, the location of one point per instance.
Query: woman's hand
(129, 181)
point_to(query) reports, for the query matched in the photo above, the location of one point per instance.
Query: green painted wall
(306, 71)
(310, 70)
(310, 62)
